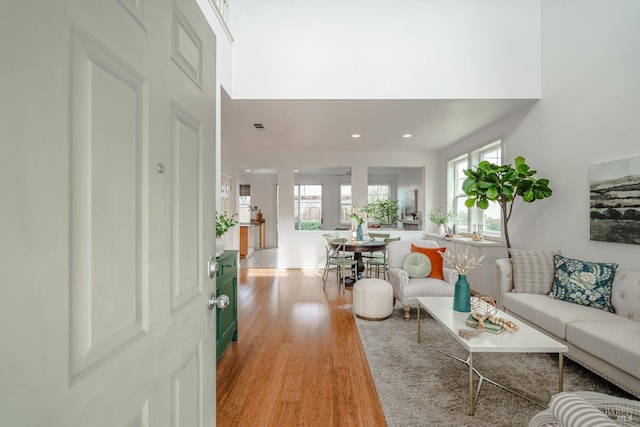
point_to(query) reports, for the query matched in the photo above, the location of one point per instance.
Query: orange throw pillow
(435, 258)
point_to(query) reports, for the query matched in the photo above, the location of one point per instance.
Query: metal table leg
(418, 322)
(560, 369)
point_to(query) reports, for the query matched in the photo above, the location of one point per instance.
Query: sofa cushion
(533, 270)
(583, 282)
(437, 263)
(550, 314)
(625, 294)
(417, 264)
(398, 250)
(617, 342)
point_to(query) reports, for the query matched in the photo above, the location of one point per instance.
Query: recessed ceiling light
(247, 170)
(355, 135)
(407, 135)
(296, 170)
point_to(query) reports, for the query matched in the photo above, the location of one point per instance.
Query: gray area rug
(420, 387)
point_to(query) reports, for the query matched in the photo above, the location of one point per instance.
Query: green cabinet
(227, 284)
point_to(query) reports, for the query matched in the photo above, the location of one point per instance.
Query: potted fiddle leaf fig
(503, 184)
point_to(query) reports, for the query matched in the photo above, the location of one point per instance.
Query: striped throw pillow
(573, 411)
(532, 270)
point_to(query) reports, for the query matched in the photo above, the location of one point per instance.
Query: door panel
(186, 146)
(107, 127)
(108, 184)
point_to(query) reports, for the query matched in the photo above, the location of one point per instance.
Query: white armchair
(406, 289)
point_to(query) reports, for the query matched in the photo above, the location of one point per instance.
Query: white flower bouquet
(461, 261)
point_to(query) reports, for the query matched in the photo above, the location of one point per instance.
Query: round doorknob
(221, 302)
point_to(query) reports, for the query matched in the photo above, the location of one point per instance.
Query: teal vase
(359, 237)
(462, 295)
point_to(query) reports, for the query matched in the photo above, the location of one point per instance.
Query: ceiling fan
(347, 173)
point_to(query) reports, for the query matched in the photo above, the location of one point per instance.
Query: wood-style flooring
(299, 359)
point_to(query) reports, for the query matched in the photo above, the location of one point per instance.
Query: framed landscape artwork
(615, 201)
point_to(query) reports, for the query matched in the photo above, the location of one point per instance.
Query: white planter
(219, 246)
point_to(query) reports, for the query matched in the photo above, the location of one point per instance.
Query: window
(244, 203)
(375, 193)
(467, 218)
(459, 197)
(378, 192)
(492, 218)
(308, 207)
(345, 202)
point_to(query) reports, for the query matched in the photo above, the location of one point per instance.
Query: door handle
(221, 302)
(212, 267)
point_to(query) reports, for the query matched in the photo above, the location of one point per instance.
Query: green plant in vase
(224, 222)
(441, 218)
(358, 215)
(386, 212)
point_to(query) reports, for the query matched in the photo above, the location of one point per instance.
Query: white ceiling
(329, 124)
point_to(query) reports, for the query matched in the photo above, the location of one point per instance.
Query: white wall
(223, 45)
(588, 114)
(223, 80)
(381, 49)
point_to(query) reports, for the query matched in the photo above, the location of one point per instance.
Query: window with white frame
(491, 218)
(345, 202)
(458, 197)
(244, 203)
(378, 192)
(308, 207)
(375, 193)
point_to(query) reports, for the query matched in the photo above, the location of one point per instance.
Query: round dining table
(358, 247)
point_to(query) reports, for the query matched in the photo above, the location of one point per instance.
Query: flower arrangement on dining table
(358, 214)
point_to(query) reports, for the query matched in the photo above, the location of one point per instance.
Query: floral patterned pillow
(583, 282)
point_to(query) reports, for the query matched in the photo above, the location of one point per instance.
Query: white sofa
(606, 343)
(406, 289)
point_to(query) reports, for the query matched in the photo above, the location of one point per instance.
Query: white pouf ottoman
(372, 299)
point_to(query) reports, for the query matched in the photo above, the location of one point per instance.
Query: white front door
(107, 213)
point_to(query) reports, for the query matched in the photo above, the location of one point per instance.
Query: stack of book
(488, 326)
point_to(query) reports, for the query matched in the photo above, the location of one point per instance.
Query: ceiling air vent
(258, 126)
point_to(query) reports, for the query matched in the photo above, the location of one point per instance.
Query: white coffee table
(525, 340)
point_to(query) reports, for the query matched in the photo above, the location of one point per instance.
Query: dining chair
(376, 236)
(338, 258)
(328, 251)
(377, 254)
(381, 261)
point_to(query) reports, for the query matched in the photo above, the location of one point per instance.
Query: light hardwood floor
(261, 258)
(298, 359)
